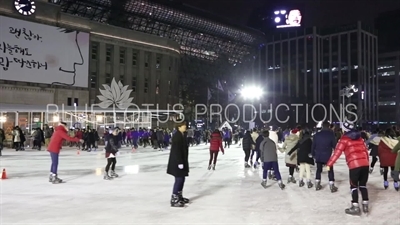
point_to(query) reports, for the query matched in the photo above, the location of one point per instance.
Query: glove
(81, 141)
(328, 168)
(180, 166)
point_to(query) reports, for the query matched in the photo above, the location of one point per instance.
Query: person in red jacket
(60, 134)
(357, 159)
(215, 146)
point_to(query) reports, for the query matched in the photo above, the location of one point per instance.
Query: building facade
(148, 64)
(313, 65)
(389, 87)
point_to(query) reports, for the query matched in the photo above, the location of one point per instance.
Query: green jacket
(394, 150)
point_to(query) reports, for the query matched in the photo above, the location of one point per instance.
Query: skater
(2, 139)
(269, 157)
(254, 136)
(247, 142)
(60, 134)
(215, 146)
(304, 158)
(396, 172)
(178, 165)
(323, 144)
(356, 154)
(372, 144)
(291, 156)
(387, 159)
(259, 139)
(111, 154)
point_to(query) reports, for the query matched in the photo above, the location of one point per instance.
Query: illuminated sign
(287, 18)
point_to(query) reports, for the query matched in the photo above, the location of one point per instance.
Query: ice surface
(230, 195)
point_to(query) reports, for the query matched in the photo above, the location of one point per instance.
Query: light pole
(347, 92)
(252, 93)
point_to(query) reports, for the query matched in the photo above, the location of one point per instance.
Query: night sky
(317, 12)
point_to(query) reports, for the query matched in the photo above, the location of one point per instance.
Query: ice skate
(183, 199)
(385, 184)
(396, 186)
(354, 210)
(264, 184)
(301, 183)
(281, 185)
(291, 180)
(213, 167)
(297, 169)
(371, 170)
(246, 165)
(176, 202)
(309, 184)
(251, 162)
(318, 185)
(107, 176)
(56, 180)
(255, 165)
(51, 177)
(333, 188)
(209, 167)
(365, 207)
(381, 171)
(113, 174)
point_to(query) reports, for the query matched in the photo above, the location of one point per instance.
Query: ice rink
(230, 195)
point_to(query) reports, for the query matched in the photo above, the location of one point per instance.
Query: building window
(146, 59)
(134, 58)
(169, 87)
(122, 56)
(93, 79)
(157, 86)
(122, 78)
(75, 101)
(109, 51)
(171, 61)
(146, 85)
(158, 61)
(108, 78)
(69, 102)
(133, 84)
(94, 51)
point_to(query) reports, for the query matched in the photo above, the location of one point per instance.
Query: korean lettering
(15, 31)
(5, 63)
(29, 35)
(20, 61)
(30, 64)
(7, 48)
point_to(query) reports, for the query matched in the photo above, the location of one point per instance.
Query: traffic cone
(4, 175)
(78, 152)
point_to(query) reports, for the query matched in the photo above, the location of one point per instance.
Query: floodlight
(277, 20)
(283, 12)
(252, 92)
(3, 119)
(99, 118)
(276, 12)
(56, 119)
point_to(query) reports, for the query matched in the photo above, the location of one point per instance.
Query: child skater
(215, 146)
(111, 154)
(357, 159)
(269, 157)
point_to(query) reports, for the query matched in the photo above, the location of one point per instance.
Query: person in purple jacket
(141, 132)
(135, 138)
(227, 137)
(145, 137)
(128, 137)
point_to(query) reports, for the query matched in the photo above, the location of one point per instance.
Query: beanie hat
(347, 126)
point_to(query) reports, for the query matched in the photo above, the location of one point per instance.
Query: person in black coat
(304, 158)
(247, 143)
(178, 165)
(111, 154)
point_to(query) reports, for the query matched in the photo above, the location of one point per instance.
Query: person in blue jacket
(324, 142)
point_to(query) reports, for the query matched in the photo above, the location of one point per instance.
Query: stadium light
(252, 92)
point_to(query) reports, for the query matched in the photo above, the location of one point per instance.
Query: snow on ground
(230, 195)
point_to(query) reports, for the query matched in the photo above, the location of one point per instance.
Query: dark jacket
(247, 142)
(322, 145)
(179, 154)
(112, 145)
(303, 148)
(258, 143)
